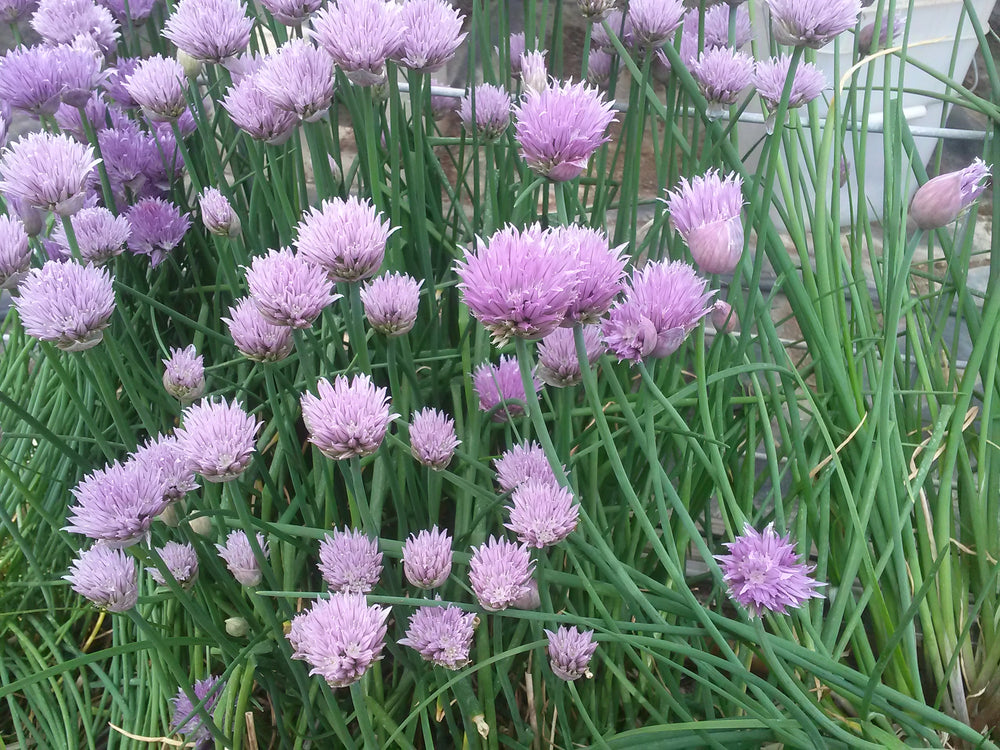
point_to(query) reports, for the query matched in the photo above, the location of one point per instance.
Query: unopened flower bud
(939, 201)
(202, 525)
(237, 627)
(184, 376)
(724, 319)
(192, 66)
(218, 215)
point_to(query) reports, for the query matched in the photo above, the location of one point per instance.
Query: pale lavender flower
(254, 113)
(186, 720)
(600, 270)
(105, 576)
(30, 80)
(81, 69)
(391, 303)
(62, 21)
(287, 290)
(209, 30)
(349, 418)
(50, 172)
(811, 23)
(534, 74)
(486, 111)
(360, 35)
(770, 76)
(164, 456)
(117, 504)
(99, 113)
(138, 10)
(619, 23)
(255, 336)
(560, 127)
(866, 37)
(157, 228)
(345, 238)
(599, 68)
(441, 635)
(706, 211)
(570, 651)
(717, 27)
(298, 77)
(12, 11)
(522, 463)
(499, 386)
(350, 562)
(100, 234)
(184, 376)
(764, 573)
(32, 218)
(291, 12)
(542, 513)
(427, 558)
(432, 438)
(182, 562)
(595, 10)
(217, 213)
(433, 34)
(518, 283)
(942, 199)
(240, 557)
(558, 364)
(653, 21)
(114, 84)
(66, 304)
(15, 254)
(724, 318)
(130, 157)
(217, 439)
(516, 49)
(157, 85)
(340, 637)
(722, 74)
(500, 572)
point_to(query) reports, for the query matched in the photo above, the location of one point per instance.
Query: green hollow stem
(363, 714)
(535, 411)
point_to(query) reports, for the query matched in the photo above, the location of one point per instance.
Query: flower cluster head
(163, 455)
(12, 11)
(391, 303)
(619, 23)
(486, 111)
(350, 562)
(432, 438)
(570, 651)
(600, 270)
(941, 200)
(522, 463)
(770, 76)
(340, 637)
(867, 43)
(105, 576)
(138, 11)
(217, 213)
(298, 78)
(542, 513)
(534, 73)
(131, 159)
(433, 34)
(255, 114)
(360, 35)
(560, 127)
(157, 85)
(724, 318)
(558, 364)
(184, 374)
(182, 562)
(217, 439)
(50, 172)
(441, 635)
(427, 558)
(599, 65)
(595, 10)
(209, 30)
(15, 253)
(722, 74)
(240, 557)
(158, 226)
(291, 12)
(717, 27)
(67, 304)
(811, 24)
(62, 21)
(100, 235)
(763, 572)
(81, 69)
(186, 720)
(348, 418)
(287, 290)
(500, 573)
(653, 21)
(706, 211)
(30, 80)
(255, 336)
(499, 386)
(345, 238)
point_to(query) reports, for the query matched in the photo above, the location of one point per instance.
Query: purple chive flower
(866, 37)
(522, 463)
(163, 455)
(433, 34)
(217, 439)
(130, 157)
(217, 213)
(516, 48)
(432, 438)
(114, 84)
(500, 572)
(138, 10)
(570, 651)
(542, 513)
(182, 562)
(518, 283)
(621, 24)
(350, 562)
(599, 68)
(427, 558)
(763, 572)
(811, 24)
(498, 385)
(186, 720)
(722, 74)
(209, 30)
(662, 306)
(100, 234)
(560, 127)
(298, 77)
(157, 228)
(347, 419)
(240, 558)
(106, 577)
(184, 376)
(291, 12)
(50, 172)
(653, 21)
(32, 218)
(942, 199)
(706, 212)
(441, 635)
(67, 304)
(62, 21)
(12, 11)
(391, 303)
(117, 504)
(491, 114)
(15, 254)
(717, 27)
(770, 76)
(595, 10)
(287, 290)
(600, 270)
(558, 364)
(255, 336)
(158, 85)
(254, 113)
(81, 69)
(99, 114)
(534, 74)
(346, 238)
(360, 35)
(724, 318)
(340, 637)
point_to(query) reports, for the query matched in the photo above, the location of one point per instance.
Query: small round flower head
(600, 270)
(157, 228)
(499, 386)
(255, 336)
(346, 238)
(137, 11)
(100, 234)
(81, 69)
(61, 21)
(522, 463)
(542, 514)
(621, 24)
(217, 439)
(66, 304)
(500, 573)
(184, 376)
(811, 23)
(209, 30)
(255, 114)
(182, 562)
(516, 49)
(164, 456)
(941, 200)
(722, 74)
(432, 438)
(534, 73)
(599, 68)
(770, 76)
(706, 212)
(105, 576)
(348, 418)
(360, 35)
(46, 171)
(350, 562)
(291, 12)
(489, 115)
(117, 504)
(560, 127)
(15, 254)
(653, 21)
(441, 635)
(570, 651)
(287, 290)
(866, 37)
(240, 557)
(114, 84)
(217, 213)
(157, 85)
(558, 364)
(12, 11)
(717, 27)
(391, 303)
(433, 34)
(595, 10)
(763, 572)
(186, 720)
(340, 637)
(130, 158)
(298, 77)
(427, 558)
(723, 317)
